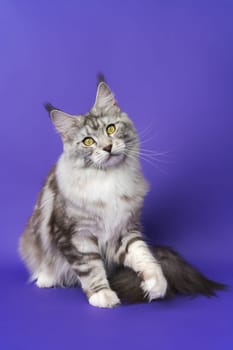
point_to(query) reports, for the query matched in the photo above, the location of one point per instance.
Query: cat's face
(104, 141)
(103, 138)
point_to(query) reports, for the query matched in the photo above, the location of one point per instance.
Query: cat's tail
(182, 278)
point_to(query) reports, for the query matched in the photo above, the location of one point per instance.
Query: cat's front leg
(134, 253)
(93, 279)
(84, 257)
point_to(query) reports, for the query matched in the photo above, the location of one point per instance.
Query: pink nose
(108, 148)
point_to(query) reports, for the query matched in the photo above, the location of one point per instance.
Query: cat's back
(35, 233)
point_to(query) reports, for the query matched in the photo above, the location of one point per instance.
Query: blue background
(170, 64)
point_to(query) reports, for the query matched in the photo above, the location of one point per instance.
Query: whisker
(151, 154)
(163, 153)
(152, 137)
(146, 129)
(148, 160)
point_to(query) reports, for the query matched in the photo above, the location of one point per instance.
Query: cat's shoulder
(51, 181)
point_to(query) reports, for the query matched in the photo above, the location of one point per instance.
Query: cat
(85, 228)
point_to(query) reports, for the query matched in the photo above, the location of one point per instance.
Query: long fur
(181, 276)
(87, 216)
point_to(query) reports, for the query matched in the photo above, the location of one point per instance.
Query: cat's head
(103, 138)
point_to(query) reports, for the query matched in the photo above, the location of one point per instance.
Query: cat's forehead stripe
(96, 122)
(92, 122)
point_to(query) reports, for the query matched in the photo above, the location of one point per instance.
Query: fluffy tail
(182, 278)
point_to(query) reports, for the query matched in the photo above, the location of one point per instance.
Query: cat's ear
(63, 122)
(105, 102)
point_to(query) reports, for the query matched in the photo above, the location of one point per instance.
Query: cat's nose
(108, 148)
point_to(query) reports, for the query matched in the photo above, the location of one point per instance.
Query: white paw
(45, 281)
(104, 298)
(155, 286)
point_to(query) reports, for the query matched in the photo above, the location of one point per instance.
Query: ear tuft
(100, 78)
(49, 107)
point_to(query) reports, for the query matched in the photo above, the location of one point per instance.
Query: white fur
(105, 298)
(142, 261)
(155, 287)
(45, 280)
(83, 187)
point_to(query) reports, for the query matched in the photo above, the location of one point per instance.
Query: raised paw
(154, 285)
(105, 298)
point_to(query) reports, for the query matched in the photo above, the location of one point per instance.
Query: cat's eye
(88, 141)
(111, 129)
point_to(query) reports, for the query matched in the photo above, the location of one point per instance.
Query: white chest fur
(111, 196)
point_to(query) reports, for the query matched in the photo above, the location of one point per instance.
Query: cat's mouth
(113, 159)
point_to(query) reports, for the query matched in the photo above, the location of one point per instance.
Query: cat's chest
(112, 205)
(108, 198)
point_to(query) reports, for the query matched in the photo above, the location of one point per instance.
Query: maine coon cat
(85, 228)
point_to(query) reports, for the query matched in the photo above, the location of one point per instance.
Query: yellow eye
(88, 141)
(111, 129)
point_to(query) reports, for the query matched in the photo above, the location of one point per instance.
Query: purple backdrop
(170, 64)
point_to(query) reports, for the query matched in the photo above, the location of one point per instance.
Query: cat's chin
(113, 160)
